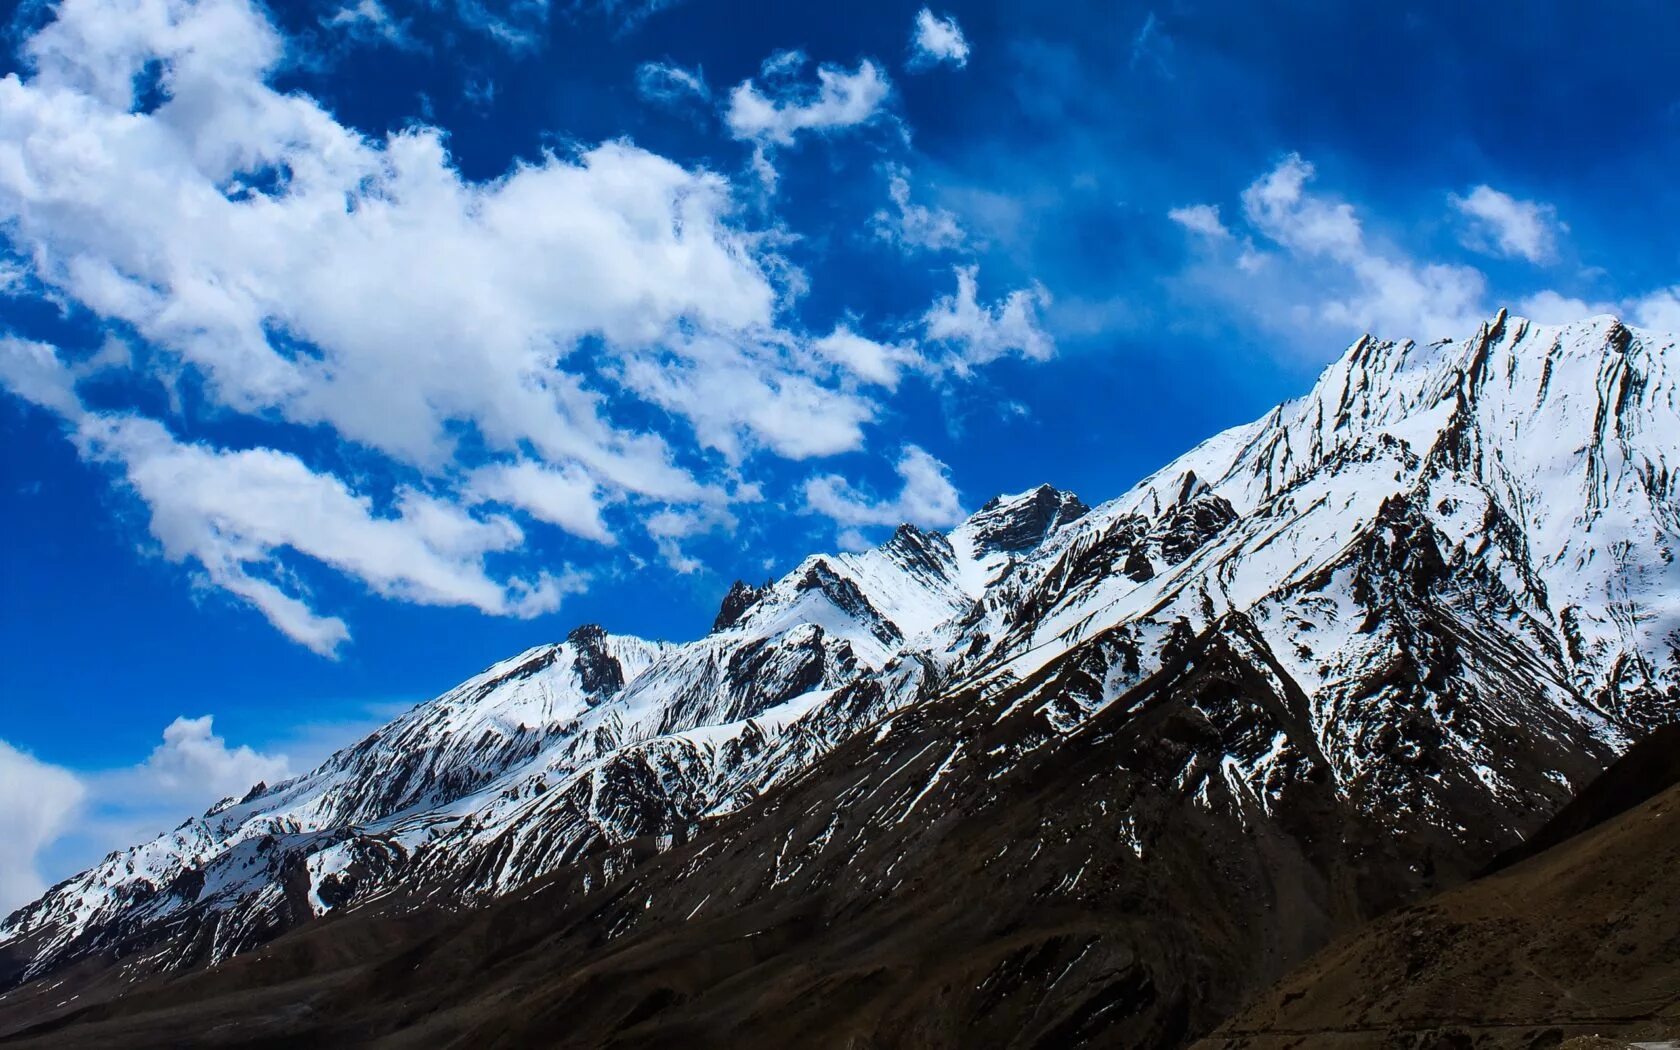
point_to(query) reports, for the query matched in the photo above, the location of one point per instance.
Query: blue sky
(346, 348)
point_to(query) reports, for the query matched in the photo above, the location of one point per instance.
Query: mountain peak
(1020, 522)
(590, 634)
(741, 597)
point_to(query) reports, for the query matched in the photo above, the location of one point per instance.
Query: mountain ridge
(1387, 596)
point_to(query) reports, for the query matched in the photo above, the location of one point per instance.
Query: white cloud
(37, 803)
(234, 513)
(1405, 298)
(927, 497)
(368, 21)
(1202, 219)
(378, 258)
(192, 769)
(915, 226)
(1659, 310)
(1278, 205)
(739, 396)
(670, 527)
(1503, 225)
(55, 821)
(840, 99)
(663, 82)
(978, 333)
(868, 360)
(935, 40)
(1549, 307)
(477, 335)
(566, 496)
(1328, 272)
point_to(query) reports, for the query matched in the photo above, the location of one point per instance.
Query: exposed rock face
(1018, 524)
(1062, 774)
(740, 598)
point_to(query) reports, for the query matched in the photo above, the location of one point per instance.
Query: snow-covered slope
(1446, 577)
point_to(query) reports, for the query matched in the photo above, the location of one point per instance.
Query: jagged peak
(590, 634)
(1191, 487)
(741, 598)
(1020, 522)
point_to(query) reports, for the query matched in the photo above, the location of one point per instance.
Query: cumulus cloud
(926, 498)
(1550, 307)
(784, 109)
(666, 83)
(914, 227)
(234, 513)
(478, 341)
(1278, 205)
(1500, 224)
(737, 396)
(935, 40)
(37, 803)
(869, 361)
(977, 333)
(564, 496)
(54, 821)
(1200, 218)
(289, 232)
(194, 768)
(1659, 310)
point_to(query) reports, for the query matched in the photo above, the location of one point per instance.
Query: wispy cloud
(1151, 47)
(912, 226)
(936, 39)
(370, 22)
(667, 83)
(926, 498)
(977, 333)
(1500, 224)
(1323, 272)
(783, 109)
(1200, 218)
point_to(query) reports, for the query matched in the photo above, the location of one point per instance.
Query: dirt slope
(1579, 939)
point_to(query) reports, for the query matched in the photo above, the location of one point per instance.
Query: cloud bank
(493, 346)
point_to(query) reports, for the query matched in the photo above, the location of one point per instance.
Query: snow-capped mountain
(1433, 596)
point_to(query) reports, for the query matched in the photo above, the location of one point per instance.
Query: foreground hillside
(1578, 939)
(1065, 774)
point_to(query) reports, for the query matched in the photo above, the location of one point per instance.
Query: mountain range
(1063, 774)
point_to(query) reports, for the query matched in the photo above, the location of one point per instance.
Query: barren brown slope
(1578, 939)
(964, 878)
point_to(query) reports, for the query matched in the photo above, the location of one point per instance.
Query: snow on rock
(1441, 577)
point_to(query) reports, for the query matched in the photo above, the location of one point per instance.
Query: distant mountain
(1061, 774)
